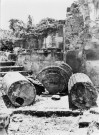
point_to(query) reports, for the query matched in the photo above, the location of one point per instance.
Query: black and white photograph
(49, 67)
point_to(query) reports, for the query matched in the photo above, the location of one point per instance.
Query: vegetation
(45, 26)
(17, 27)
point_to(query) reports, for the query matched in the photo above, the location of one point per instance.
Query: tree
(29, 23)
(48, 25)
(17, 26)
(13, 23)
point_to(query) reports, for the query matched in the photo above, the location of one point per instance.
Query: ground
(47, 117)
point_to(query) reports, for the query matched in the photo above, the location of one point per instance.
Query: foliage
(30, 26)
(42, 29)
(29, 21)
(48, 25)
(12, 24)
(17, 26)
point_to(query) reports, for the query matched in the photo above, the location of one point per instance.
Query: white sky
(38, 9)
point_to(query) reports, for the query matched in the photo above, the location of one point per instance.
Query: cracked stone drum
(54, 79)
(20, 91)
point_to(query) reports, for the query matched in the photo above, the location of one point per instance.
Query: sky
(38, 9)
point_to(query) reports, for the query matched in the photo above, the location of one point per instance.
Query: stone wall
(73, 27)
(54, 39)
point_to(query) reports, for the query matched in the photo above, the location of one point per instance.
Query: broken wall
(75, 35)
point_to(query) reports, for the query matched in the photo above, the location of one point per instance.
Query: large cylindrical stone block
(82, 93)
(20, 90)
(54, 79)
(65, 66)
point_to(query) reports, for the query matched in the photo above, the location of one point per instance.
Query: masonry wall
(54, 39)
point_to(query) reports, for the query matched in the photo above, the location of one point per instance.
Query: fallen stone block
(82, 93)
(38, 86)
(55, 78)
(19, 90)
(56, 97)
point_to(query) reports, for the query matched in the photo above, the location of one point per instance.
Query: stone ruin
(75, 30)
(79, 85)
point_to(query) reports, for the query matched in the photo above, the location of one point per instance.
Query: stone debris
(4, 120)
(93, 128)
(38, 86)
(56, 97)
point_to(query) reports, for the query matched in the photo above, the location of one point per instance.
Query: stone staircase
(7, 66)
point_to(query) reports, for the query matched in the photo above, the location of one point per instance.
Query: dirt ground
(28, 124)
(21, 124)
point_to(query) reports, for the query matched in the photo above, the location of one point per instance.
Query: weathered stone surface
(25, 73)
(20, 91)
(76, 32)
(7, 63)
(11, 68)
(82, 93)
(73, 26)
(75, 59)
(56, 97)
(54, 79)
(4, 120)
(92, 69)
(38, 86)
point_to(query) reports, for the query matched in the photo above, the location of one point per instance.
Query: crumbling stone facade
(76, 36)
(74, 26)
